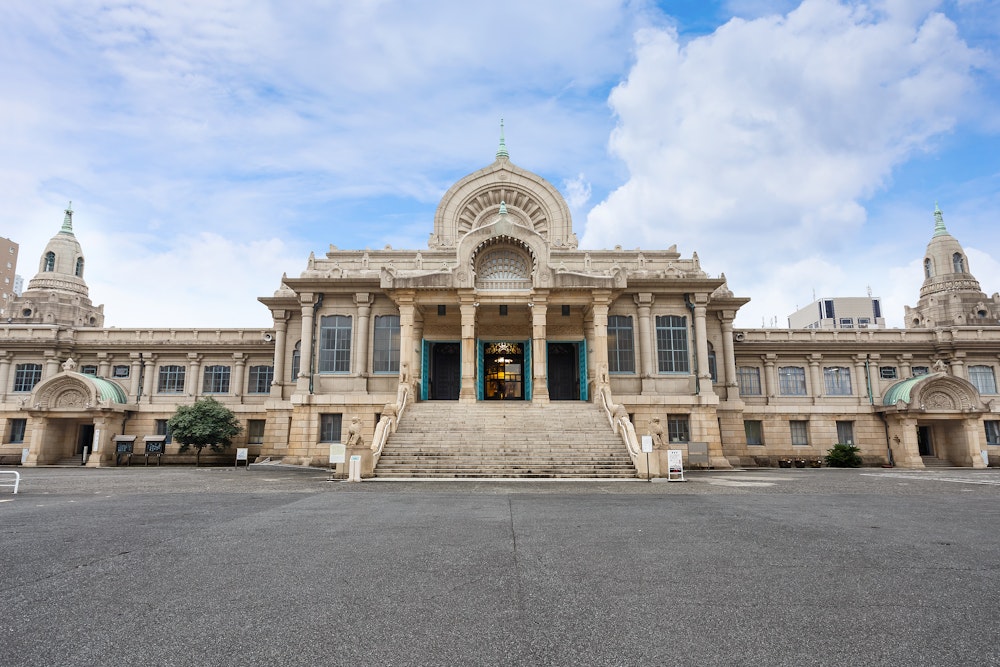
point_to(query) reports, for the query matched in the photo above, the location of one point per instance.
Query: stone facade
(501, 305)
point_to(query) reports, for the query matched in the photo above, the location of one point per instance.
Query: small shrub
(843, 456)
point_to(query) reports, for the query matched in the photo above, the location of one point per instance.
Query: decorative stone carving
(656, 431)
(71, 398)
(69, 364)
(939, 400)
(354, 433)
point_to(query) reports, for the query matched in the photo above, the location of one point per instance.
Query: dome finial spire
(502, 151)
(67, 226)
(939, 229)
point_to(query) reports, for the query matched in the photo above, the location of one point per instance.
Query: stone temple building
(502, 349)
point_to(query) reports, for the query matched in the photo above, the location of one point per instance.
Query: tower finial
(502, 151)
(67, 226)
(939, 229)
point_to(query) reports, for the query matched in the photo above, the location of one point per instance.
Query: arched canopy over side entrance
(934, 416)
(70, 412)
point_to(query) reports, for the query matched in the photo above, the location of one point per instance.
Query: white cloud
(758, 145)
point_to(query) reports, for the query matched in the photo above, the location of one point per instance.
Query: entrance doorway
(563, 365)
(85, 438)
(503, 371)
(445, 372)
(924, 445)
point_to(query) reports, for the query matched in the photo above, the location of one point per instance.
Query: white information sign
(647, 443)
(242, 453)
(675, 465)
(338, 453)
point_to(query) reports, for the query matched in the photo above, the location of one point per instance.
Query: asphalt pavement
(279, 566)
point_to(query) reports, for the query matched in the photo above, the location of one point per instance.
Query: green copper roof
(502, 151)
(901, 390)
(939, 229)
(106, 389)
(67, 227)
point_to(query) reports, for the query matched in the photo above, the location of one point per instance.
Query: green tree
(207, 423)
(844, 456)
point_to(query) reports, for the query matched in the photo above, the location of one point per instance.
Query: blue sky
(209, 146)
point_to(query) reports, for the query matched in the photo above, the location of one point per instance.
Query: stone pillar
(701, 346)
(134, 374)
(972, 431)
(416, 352)
(194, 372)
(51, 364)
(770, 382)
(600, 311)
(280, 342)
(876, 377)
(103, 446)
(103, 364)
(539, 372)
(5, 358)
(39, 431)
(588, 333)
(903, 439)
(728, 350)
(862, 378)
(407, 315)
(644, 300)
(905, 365)
(239, 374)
(305, 354)
(363, 301)
(958, 366)
(468, 308)
(816, 375)
(148, 375)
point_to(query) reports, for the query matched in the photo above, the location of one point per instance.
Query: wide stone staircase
(504, 439)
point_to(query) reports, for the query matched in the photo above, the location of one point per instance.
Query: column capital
(644, 299)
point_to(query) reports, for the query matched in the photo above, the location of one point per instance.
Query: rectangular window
(992, 432)
(792, 380)
(18, 426)
(671, 344)
(754, 430)
(170, 381)
(335, 344)
(983, 379)
(621, 345)
(837, 380)
(800, 433)
(829, 310)
(917, 371)
(26, 376)
(255, 431)
(385, 357)
(163, 428)
(260, 379)
(888, 372)
(846, 322)
(120, 371)
(89, 370)
(876, 308)
(845, 433)
(748, 378)
(864, 322)
(216, 380)
(678, 429)
(329, 427)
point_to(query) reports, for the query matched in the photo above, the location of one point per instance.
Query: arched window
(958, 262)
(50, 261)
(296, 360)
(503, 268)
(927, 268)
(79, 267)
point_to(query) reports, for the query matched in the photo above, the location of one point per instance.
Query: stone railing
(387, 424)
(622, 425)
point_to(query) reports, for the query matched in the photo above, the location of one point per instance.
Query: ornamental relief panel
(521, 206)
(939, 400)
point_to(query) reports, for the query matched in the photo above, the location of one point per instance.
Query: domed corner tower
(950, 295)
(58, 294)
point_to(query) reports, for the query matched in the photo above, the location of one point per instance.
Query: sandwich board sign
(675, 465)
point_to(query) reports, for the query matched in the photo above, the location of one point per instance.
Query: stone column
(862, 379)
(958, 366)
(728, 350)
(51, 363)
(602, 299)
(280, 341)
(468, 309)
(416, 352)
(876, 377)
(103, 364)
(770, 383)
(644, 300)
(815, 376)
(239, 373)
(5, 358)
(103, 446)
(539, 372)
(148, 372)
(134, 374)
(39, 431)
(363, 301)
(194, 373)
(588, 333)
(701, 346)
(305, 354)
(407, 316)
(905, 365)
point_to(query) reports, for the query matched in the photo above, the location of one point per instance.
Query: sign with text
(242, 453)
(675, 465)
(647, 443)
(338, 453)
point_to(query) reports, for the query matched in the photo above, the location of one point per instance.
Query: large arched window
(50, 261)
(503, 268)
(79, 267)
(958, 262)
